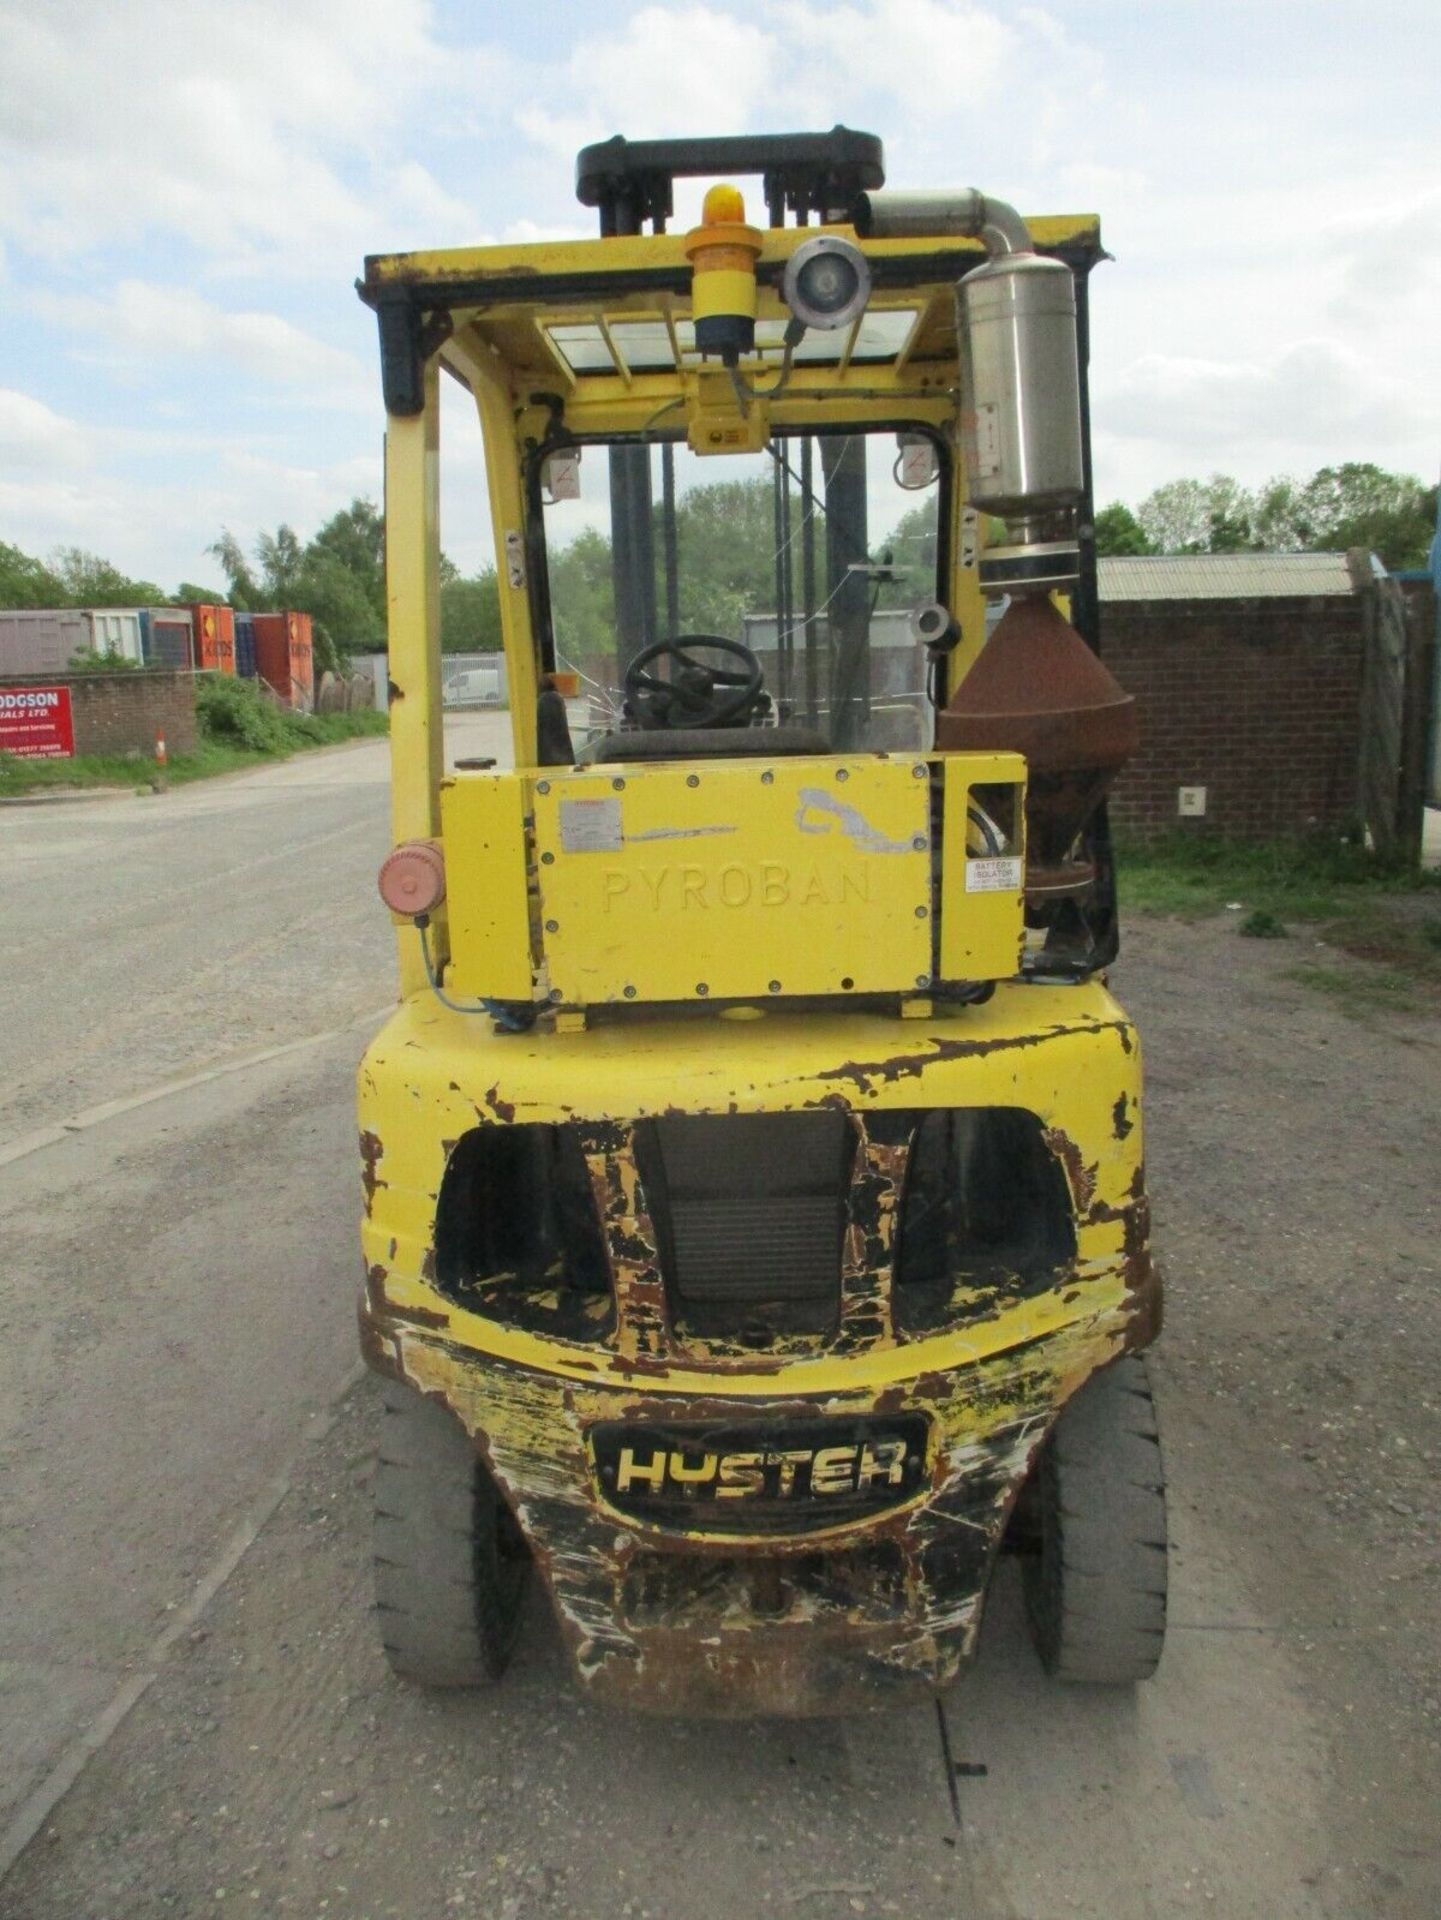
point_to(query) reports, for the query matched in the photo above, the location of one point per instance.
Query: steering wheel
(697, 695)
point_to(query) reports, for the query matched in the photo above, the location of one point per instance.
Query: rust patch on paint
(873, 1200)
(643, 1336)
(371, 1154)
(867, 1075)
(377, 1349)
(375, 1279)
(417, 1316)
(1082, 1179)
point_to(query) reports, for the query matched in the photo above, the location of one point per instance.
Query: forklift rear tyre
(1096, 1589)
(450, 1561)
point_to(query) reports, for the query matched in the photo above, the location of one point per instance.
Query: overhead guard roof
(594, 272)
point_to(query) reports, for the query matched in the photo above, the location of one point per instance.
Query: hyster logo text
(792, 1472)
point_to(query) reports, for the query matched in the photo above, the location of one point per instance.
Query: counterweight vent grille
(749, 1212)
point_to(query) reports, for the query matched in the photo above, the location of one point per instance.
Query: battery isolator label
(998, 874)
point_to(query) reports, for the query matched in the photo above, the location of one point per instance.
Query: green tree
(725, 538)
(88, 581)
(1193, 516)
(337, 601)
(270, 580)
(1361, 505)
(354, 538)
(1230, 532)
(913, 546)
(582, 598)
(337, 578)
(1118, 531)
(282, 562)
(246, 590)
(1279, 521)
(470, 613)
(25, 581)
(1357, 504)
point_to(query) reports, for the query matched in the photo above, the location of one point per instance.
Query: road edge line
(89, 1117)
(43, 1798)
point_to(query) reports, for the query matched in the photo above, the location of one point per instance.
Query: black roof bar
(631, 181)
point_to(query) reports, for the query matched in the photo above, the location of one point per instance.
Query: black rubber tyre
(1096, 1584)
(450, 1561)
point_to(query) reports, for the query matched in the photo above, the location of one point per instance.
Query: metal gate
(1393, 699)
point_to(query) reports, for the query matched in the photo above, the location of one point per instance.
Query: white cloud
(1311, 390)
(1386, 263)
(161, 530)
(35, 439)
(158, 322)
(262, 146)
(1310, 404)
(911, 51)
(665, 71)
(692, 69)
(252, 124)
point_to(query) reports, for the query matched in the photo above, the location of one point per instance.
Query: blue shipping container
(166, 638)
(245, 645)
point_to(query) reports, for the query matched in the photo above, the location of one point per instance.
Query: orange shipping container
(302, 659)
(283, 656)
(214, 629)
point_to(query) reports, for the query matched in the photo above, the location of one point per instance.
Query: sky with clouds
(187, 192)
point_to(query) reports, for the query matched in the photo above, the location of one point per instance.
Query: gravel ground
(1286, 1760)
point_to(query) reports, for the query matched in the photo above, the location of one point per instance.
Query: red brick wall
(1257, 701)
(123, 712)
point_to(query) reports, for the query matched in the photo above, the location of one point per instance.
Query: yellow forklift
(756, 1235)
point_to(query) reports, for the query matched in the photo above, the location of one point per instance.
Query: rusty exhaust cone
(1037, 689)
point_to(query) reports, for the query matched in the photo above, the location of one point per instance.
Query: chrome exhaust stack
(1021, 385)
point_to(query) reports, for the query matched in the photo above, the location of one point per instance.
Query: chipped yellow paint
(1066, 1054)
(733, 879)
(983, 836)
(564, 875)
(463, 269)
(501, 301)
(487, 896)
(681, 882)
(713, 1654)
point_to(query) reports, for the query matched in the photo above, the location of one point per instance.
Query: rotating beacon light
(723, 251)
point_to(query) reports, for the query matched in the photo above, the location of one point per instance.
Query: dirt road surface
(186, 1636)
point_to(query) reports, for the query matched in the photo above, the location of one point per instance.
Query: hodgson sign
(36, 723)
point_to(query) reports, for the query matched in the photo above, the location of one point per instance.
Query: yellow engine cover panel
(483, 821)
(735, 879)
(983, 879)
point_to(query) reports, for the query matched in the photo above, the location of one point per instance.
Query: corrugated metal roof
(1223, 576)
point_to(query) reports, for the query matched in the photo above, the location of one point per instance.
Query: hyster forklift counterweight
(756, 1234)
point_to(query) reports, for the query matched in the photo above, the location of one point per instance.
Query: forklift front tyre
(450, 1561)
(1096, 1587)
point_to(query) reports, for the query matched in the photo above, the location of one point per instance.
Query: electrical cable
(744, 394)
(506, 1018)
(661, 412)
(990, 833)
(788, 367)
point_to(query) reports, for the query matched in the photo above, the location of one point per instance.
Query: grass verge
(1368, 909)
(1365, 989)
(238, 729)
